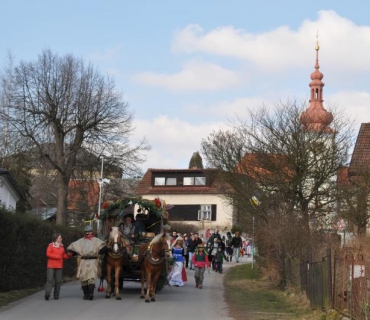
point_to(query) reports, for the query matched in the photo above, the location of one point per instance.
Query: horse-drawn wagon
(126, 243)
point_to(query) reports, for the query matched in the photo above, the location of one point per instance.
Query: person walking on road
(219, 259)
(229, 249)
(193, 242)
(55, 254)
(200, 262)
(89, 248)
(236, 244)
(178, 252)
(211, 239)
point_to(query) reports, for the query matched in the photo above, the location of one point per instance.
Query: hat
(88, 229)
(200, 246)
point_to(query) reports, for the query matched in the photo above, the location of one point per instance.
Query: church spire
(316, 117)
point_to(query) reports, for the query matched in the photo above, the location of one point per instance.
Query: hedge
(24, 239)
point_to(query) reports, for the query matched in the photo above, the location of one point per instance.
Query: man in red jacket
(56, 254)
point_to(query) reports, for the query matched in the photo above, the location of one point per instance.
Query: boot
(56, 291)
(91, 291)
(85, 289)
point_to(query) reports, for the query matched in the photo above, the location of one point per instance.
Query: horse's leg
(117, 273)
(148, 278)
(155, 283)
(142, 273)
(109, 275)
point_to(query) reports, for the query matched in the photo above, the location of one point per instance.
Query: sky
(187, 68)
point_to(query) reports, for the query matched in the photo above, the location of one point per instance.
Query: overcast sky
(187, 67)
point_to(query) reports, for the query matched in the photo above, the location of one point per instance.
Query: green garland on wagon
(155, 206)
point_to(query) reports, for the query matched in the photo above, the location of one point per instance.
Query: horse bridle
(161, 253)
(121, 246)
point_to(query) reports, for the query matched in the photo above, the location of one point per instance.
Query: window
(159, 181)
(197, 181)
(188, 181)
(162, 181)
(171, 181)
(205, 212)
(200, 181)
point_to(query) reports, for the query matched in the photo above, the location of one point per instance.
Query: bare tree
(273, 156)
(59, 104)
(354, 200)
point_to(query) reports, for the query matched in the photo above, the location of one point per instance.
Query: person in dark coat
(211, 240)
(193, 242)
(236, 244)
(229, 249)
(219, 259)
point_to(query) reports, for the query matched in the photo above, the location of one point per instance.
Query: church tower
(316, 118)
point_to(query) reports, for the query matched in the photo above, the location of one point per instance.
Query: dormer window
(200, 181)
(159, 181)
(194, 181)
(162, 181)
(188, 181)
(171, 181)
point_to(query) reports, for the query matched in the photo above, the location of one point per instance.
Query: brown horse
(153, 261)
(114, 260)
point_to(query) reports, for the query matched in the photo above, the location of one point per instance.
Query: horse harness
(149, 254)
(121, 245)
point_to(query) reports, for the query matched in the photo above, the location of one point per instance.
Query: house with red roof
(358, 176)
(196, 195)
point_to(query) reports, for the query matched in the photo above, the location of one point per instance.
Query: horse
(152, 258)
(114, 259)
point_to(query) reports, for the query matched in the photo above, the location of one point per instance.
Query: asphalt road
(171, 303)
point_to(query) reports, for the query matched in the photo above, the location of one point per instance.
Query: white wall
(7, 196)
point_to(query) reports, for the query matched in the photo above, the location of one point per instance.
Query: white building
(10, 192)
(196, 195)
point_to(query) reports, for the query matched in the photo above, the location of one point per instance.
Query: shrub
(23, 247)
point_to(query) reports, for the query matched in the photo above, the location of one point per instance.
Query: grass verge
(11, 296)
(251, 296)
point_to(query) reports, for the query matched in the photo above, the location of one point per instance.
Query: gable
(360, 160)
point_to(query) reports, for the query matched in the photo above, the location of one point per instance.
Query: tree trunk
(62, 200)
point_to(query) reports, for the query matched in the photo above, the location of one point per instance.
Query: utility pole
(100, 182)
(253, 242)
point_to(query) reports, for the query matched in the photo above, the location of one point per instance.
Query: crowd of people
(193, 252)
(211, 251)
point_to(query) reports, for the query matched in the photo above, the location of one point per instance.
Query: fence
(351, 285)
(338, 282)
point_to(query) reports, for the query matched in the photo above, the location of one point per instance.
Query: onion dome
(316, 117)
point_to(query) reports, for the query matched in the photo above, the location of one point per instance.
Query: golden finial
(317, 47)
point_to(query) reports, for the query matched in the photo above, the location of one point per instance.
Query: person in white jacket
(88, 248)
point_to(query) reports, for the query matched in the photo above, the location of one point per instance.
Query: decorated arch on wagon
(150, 215)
